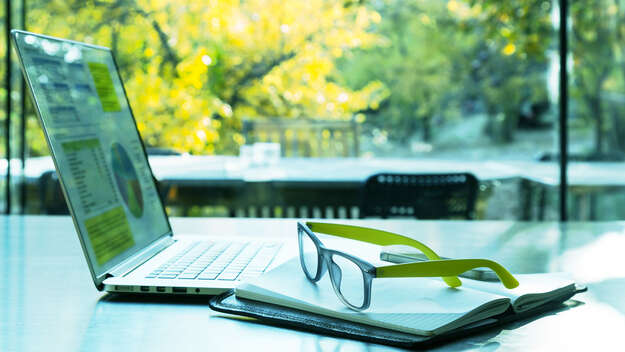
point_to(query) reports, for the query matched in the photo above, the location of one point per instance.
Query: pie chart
(127, 180)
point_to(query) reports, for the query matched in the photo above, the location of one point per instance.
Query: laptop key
(187, 276)
(172, 272)
(207, 276)
(167, 276)
(228, 276)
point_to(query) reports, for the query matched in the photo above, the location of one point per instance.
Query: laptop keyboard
(218, 261)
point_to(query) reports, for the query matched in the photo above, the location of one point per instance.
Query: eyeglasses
(351, 277)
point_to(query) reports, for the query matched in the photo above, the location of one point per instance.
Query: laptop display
(92, 135)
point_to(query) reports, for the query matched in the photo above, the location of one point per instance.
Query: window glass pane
(597, 111)
(413, 86)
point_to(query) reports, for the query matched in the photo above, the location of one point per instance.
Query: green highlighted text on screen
(109, 234)
(104, 86)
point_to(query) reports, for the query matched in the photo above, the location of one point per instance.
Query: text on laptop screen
(96, 146)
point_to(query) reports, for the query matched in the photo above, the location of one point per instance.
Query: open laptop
(108, 184)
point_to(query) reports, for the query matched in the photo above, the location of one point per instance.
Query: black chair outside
(52, 201)
(51, 194)
(422, 196)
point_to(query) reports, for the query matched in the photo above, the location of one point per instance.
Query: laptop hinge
(141, 257)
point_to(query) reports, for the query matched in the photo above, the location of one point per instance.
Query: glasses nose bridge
(326, 255)
(336, 274)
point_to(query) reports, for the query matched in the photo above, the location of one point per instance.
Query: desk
(49, 302)
(586, 182)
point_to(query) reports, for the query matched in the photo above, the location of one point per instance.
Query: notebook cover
(311, 322)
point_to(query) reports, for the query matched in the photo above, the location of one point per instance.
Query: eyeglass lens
(309, 254)
(349, 279)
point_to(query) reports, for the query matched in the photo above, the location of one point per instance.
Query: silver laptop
(108, 184)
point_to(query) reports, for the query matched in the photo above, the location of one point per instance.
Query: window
(430, 83)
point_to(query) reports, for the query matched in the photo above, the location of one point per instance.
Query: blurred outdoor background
(455, 80)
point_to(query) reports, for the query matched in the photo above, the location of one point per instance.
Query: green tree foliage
(511, 61)
(416, 62)
(441, 59)
(597, 52)
(195, 69)
(596, 43)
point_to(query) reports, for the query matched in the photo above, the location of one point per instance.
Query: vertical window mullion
(22, 149)
(7, 121)
(563, 107)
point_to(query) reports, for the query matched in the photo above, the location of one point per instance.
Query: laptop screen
(96, 147)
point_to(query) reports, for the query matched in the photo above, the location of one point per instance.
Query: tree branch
(128, 6)
(258, 70)
(170, 53)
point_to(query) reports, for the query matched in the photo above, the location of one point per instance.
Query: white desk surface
(48, 301)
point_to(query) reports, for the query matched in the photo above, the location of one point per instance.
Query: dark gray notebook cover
(302, 320)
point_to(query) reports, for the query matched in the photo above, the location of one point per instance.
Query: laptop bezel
(129, 257)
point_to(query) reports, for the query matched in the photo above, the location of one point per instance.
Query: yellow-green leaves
(186, 62)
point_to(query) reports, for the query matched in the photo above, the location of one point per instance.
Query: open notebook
(420, 306)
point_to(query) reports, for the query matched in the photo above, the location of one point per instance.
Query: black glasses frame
(325, 263)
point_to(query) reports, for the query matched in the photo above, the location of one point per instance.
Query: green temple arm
(446, 267)
(379, 237)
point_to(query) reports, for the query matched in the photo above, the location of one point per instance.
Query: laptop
(108, 184)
